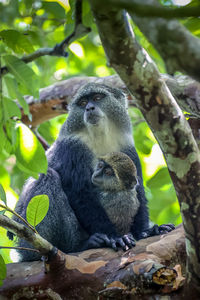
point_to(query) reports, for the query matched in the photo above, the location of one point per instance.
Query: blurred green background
(27, 25)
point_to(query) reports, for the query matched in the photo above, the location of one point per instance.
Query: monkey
(97, 123)
(116, 176)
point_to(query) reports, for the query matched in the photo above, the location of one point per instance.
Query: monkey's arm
(140, 227)
(141, 219)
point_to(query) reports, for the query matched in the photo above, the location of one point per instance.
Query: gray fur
(118, 189)
(59, 216)
(121, 208)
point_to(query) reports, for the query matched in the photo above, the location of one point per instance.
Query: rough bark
(54, 99)
(177, 46)
(165, 118)
(152, 267)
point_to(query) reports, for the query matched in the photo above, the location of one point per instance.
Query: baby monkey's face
(115, 172)
(104, 177)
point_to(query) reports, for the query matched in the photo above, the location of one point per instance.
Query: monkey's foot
(156, 230)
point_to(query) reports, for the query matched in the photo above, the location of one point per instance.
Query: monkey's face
(115, 172)
(104, 177)
(95, 106)
(91, 106)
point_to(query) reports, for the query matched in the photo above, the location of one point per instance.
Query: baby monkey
(116, 176)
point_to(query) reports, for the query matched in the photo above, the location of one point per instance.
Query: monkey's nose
(90, 106)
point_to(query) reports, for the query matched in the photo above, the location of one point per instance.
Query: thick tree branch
(152, 267)
(165, 118)
(54, 99)
(59, 49)
(150, 10)
(177, 46)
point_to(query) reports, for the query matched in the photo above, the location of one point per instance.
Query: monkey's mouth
(92, 118)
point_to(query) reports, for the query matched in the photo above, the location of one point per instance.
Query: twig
(79, 29)
(38, 242)
(59, 49)
(20, 248)
(41, 139)
(18, 216)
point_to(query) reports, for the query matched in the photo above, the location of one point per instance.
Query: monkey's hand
(97, 240)
(156, 230)
(125, 242)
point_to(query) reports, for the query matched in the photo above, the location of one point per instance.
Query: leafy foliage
(26, 26)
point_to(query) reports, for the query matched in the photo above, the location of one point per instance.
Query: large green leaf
(2, 270)
(23, 74)
(37, 209)
(29, 152)
(3, 194)
(10, 109)
(17, 41)
(14, 93)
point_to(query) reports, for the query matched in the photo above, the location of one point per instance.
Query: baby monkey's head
(115, 172)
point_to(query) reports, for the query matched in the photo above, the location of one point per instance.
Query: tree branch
(59, 49)
(26, 233)
(54, 99)
(176, 45)
(5, 207)
(165, 118)
(151, 10)
(152, 267)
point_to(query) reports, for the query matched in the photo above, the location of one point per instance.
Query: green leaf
(2, 270)
(14, 93)
(2, 212)
(10, 109)
(29, 152)
(37, 209)
(3, 194)
(17, 41)
(159, 179)
(11, 132)
(23, 74)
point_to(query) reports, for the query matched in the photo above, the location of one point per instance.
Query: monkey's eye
(82, 103)
(108, 171)
(97, 97)
(100, 165)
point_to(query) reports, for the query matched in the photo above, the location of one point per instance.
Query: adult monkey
(98, 123)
